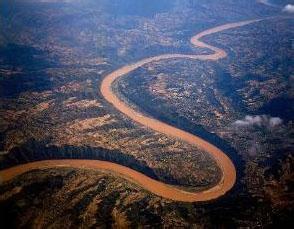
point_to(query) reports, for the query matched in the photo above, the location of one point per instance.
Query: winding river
(156, 187)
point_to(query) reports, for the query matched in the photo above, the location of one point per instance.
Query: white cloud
(259, 120)
(254, 148)
(289, 8)
(266, 2)
(249, 120)
(276, 121)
